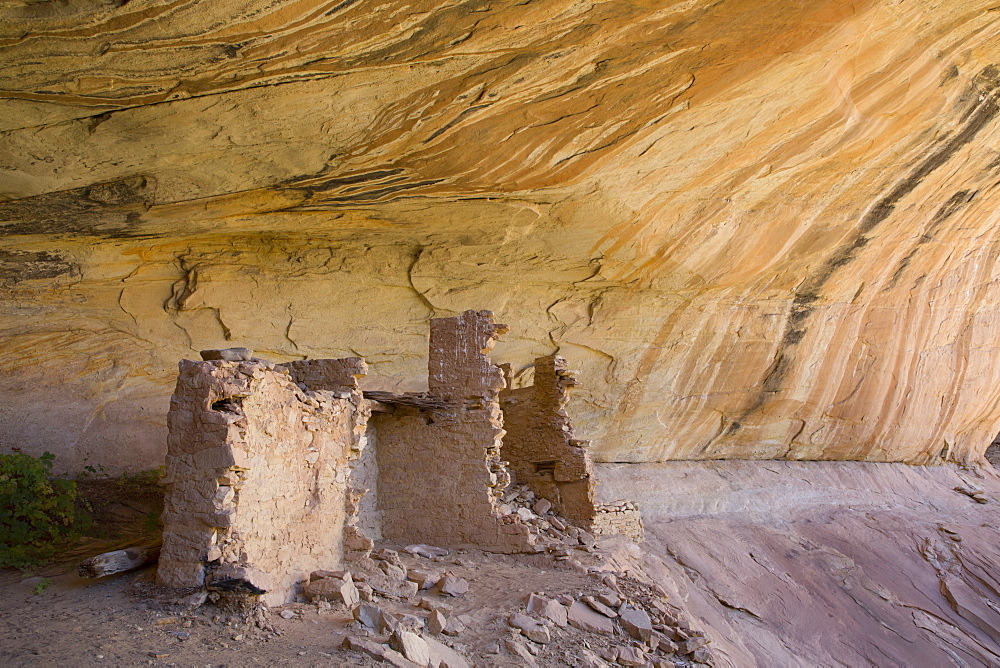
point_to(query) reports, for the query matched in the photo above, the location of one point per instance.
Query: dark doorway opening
(993, 452)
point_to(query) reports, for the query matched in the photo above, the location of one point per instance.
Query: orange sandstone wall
(758, 229)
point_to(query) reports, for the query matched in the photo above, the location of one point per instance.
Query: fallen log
(120, 561)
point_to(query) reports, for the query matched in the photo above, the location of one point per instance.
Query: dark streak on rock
(379, 192)
(93, 121)
(383, 184)
(954, 204)
(427, 36)
(355, 178)
(109, 210)
(342, 6)
(994, 163)
(984, 89)
(17, 266)
(455, 120)
(332, 202)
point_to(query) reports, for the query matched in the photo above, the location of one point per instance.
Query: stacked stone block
(258, 478)
(440, 469)
(618, 517)
(540, 444)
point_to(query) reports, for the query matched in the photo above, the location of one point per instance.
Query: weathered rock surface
(587, 619)
(825, 563)
(760, 230)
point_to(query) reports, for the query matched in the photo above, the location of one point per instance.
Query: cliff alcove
(760, 231)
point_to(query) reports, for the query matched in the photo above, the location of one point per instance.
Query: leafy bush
(37, 513)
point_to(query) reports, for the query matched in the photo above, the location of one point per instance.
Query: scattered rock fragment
(426, 551)
(455, 625)
(530, 628)
(434, 605)
(339, 590)
(599, 607)
(583, 617)
(517, 648)
(701, 655)
(631, 656)
(442, 656)
(591, 660)
(380, 652)
(392, 570)
(368, 615)
(387, 555)
(547, 608)
(693, 644)
(365, 592)
(610, 600)
(525, 514)
(412, 646)
(437, 622)
(542, 506)
(666, 646)
(452, 585)
(637, 624)
(388, 623)
(424, 579)
(391, 587)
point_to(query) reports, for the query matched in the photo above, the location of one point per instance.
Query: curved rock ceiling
(759, 229)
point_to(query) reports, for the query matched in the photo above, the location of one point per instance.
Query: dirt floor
(776, 563)
(55, 617)
(52, 616)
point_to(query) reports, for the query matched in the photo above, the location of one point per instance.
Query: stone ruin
(278, 470)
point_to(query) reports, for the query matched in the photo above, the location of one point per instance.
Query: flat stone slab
(227, 354)
(585, 618)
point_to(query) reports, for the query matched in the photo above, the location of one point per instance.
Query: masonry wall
(435, 483)
(540, 445)
(259, 475)
(440, 469)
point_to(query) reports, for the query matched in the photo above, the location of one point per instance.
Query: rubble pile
(402, 606)
(552, 533)
(556, 534)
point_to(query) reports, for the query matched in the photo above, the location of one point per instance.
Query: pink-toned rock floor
(827, 563)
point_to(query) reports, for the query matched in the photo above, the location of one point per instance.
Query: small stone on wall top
(228, 354)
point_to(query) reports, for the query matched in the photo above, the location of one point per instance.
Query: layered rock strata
(825, 563)
(761, 230)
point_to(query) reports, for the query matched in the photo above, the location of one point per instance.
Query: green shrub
(37, 513)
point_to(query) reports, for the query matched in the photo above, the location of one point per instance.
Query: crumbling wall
(259, 489)
(540, 446)
(341, 376)
(274, 471)
(620, 517)
(439, 464)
